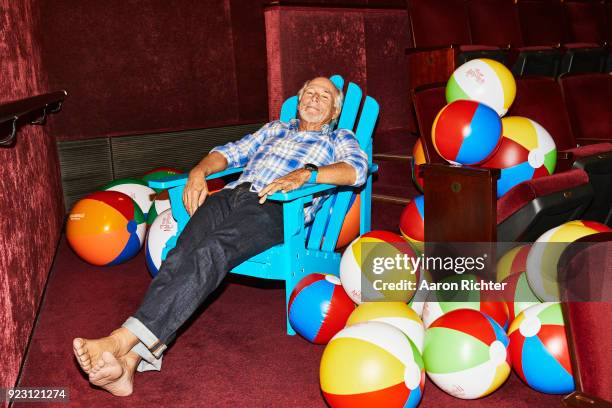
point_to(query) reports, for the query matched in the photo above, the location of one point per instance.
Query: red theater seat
(588, 98)
(541, 99)
(588, 322)
(442, 40)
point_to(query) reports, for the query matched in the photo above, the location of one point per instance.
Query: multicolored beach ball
(160, 204)
(543, 258)
(538, 349)
(319, 307)
(442, 302)
(365, 279)
(397, 314)
(466, 132)
(483, 80)
(527, 151)
(418, 158)
(163, 228)
(412, 222)
(511, 270)
(371, 364)
(106, 228)
(466, 354)
(138, 190)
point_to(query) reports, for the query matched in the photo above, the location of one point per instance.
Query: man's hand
(289, 182)
(195, 191)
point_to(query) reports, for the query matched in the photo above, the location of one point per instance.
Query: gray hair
(338, 100)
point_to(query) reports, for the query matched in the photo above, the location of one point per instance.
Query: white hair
(338, 100)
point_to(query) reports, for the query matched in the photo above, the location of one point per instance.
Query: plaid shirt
(279, 148)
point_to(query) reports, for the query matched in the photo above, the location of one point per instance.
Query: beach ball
(466, 354)
(318, 307)
(371, 364)
(106, 228)
(485, 81)
(163, 228)
(418, 158)
(369, 271)
(160, 204)
(412, 222)
(512, 262)
(160, 173)
(466, 132)
(538, 349)
(350, 226)
(397, 314)
(527, 151)
(420, 297)
(511, 270)
(443, 301)
(545, 253)
(138, 190)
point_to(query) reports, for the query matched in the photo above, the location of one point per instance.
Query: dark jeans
(229, 228)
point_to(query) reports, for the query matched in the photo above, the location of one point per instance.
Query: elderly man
(228, 228)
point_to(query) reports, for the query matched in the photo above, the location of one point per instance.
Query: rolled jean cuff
(146, 337)
(148, 362)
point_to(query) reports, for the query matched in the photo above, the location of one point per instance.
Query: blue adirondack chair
(306, 249)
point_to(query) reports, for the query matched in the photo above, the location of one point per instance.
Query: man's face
(317, 102)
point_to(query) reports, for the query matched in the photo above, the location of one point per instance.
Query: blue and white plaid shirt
(279, 148)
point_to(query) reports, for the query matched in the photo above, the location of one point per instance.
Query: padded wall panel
(89, 164)
(134, 67)
(85, 165)
(135, 155)
(30, 191)
(366, 46)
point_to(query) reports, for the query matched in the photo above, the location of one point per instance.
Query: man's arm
(196, 190)
(350, 169)
(232, 154)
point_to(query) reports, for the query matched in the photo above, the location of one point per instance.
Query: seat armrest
(181, 179)
(310, 189)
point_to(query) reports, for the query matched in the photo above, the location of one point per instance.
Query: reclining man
(278, 157)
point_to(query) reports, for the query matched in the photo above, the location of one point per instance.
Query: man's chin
(309, 118)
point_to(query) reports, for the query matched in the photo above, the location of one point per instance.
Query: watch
(314, 171)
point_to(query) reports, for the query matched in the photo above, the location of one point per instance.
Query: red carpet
(235, 354)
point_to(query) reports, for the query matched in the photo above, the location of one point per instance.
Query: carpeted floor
(234, 354)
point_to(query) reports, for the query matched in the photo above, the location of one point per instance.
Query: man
(228, 228)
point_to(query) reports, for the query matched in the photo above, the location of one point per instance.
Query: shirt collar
(294, 124)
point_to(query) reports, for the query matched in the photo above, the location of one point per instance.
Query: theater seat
(589, 103)
(533, 207)
(530, 208)
(541, 99)
(435, 53)
(585, 35)
(588, 321)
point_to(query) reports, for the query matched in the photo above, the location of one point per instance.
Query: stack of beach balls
(380, 347)
(109, 226)
(472, 130)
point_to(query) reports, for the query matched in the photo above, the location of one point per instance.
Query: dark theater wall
(30, 191)
(140, 66)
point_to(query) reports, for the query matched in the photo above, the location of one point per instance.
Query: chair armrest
(309, 189)
(181, 179)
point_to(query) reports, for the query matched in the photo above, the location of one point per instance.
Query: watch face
(311, 167)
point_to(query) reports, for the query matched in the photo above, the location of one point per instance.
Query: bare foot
(115, 375)
(88, 352)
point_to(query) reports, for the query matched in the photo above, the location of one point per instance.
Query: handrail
(32, 110)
